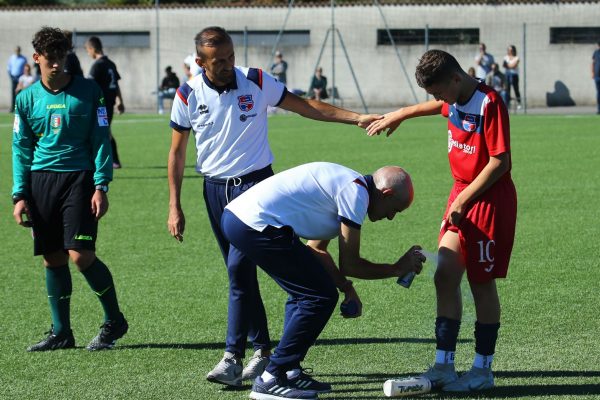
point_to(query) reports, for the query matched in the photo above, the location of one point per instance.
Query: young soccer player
(61, 168)
(478, 227)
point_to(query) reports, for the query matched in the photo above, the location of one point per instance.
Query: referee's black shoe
(110, 331)
(64, 340)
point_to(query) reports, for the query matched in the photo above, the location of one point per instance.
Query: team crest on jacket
(245, 102)
(469, 123)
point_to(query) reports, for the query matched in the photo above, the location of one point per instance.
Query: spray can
(406, 280)
(406, 387)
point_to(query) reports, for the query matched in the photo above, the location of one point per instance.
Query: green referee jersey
(62, 132)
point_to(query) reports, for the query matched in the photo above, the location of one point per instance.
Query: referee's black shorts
(61, 207)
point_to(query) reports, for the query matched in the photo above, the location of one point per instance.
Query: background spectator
(279, 68)
(484, 61)
(511, 69)
(16, 64)
(497, 80)
(167, 89)
(318, 86)
(25, 80)
(596, 74)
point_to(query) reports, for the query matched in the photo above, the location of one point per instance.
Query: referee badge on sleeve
(102, 116)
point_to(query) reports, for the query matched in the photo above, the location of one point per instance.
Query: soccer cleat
(54, 342)
(228, 371)
(110, 331)
(279, 389)
(306, 382)
(473, 380)
(256, 366)
(440, 375)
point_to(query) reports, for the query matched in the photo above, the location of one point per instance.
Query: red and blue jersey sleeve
(180, 114)
(496, 127)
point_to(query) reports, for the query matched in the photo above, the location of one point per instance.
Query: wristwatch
(17, 197)
(103, 188)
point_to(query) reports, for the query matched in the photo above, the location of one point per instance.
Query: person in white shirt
(511, 70)
(25, 80)
(226, 107)
(317, 201)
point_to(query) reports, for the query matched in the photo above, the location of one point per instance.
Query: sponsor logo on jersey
(466, 148)
(203, 109)
(245, 117)
(102, 116)
(55, 106)
(245, 102)
(56, 122)
(469, 124)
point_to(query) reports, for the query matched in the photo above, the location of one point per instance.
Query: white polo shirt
(230, 126)
(311, 198)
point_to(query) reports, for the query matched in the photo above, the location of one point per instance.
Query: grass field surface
(175, 295)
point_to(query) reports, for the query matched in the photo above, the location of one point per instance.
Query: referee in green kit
(62, 166)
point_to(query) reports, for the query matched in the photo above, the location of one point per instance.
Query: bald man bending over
(317, 201)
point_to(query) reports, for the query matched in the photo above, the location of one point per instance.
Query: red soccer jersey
(477, 130)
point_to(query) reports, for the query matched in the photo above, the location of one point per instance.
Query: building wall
(382, 79)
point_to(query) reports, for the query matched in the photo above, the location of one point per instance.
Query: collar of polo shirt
(231, 86)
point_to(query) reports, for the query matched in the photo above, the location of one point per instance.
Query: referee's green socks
(59, 287)
(100, 280)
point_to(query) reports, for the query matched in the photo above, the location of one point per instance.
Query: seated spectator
(497, 80)
(26, 79)
(167, 89)
(318, 86)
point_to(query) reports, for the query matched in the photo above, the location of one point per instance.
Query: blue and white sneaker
(473, 380)
(279, 389)
(306, 382)
(440, 375)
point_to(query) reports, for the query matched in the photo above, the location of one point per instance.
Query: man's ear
(36, 57)
(387, 192)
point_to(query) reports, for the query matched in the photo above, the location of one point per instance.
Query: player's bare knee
(56, 259)
(82, 258)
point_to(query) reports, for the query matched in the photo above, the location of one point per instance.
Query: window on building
(268, 38)
(575, 35)
(114, 39)
(436, 36)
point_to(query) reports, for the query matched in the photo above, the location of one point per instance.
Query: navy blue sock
(486, 336)
(446, 333)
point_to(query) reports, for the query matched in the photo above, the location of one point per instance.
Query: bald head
(396, 179)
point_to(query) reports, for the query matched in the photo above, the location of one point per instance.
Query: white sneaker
(228, 371)
(473, 380)
(256, 365)
(440, 375)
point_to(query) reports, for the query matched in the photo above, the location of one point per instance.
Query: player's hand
(390, 121)
(121, 108)
(351, 295)
(176, 223)
(22, 208)
(455, 212)
(99, 204)
(411, 261)
(366, 119)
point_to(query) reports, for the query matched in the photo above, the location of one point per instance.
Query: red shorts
(487, 230)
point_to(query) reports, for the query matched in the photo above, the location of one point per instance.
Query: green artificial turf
(175, 295)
